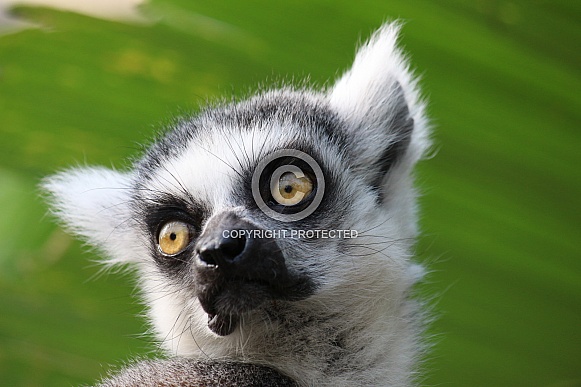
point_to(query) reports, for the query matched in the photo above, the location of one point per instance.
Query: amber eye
(173, 237)
(291, 187)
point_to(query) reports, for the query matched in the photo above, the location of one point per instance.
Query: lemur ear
(93, 203)
(377, 98)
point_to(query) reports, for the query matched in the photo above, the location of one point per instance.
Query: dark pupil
(288, 188)
(173, 236)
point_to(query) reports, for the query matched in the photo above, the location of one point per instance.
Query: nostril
(222, 251)
(232, 247)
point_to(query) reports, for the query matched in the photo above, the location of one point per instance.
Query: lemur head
(289, 207)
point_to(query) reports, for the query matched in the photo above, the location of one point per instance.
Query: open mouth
(222, 325)
(234, 297)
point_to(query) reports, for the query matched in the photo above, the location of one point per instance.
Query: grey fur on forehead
(306, 111)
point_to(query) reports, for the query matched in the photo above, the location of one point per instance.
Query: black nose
(222, 251)
(234, 248)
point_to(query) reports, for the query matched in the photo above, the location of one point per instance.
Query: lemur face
(229, 199)
(290, 207)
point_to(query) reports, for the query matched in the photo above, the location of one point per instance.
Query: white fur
(92, 202)
(362, 96)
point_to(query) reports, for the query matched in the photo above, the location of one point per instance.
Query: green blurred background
(500, 205)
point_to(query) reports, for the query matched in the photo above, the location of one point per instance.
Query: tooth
(222, 325)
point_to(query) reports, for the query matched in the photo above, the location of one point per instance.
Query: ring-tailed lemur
(273, 236)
